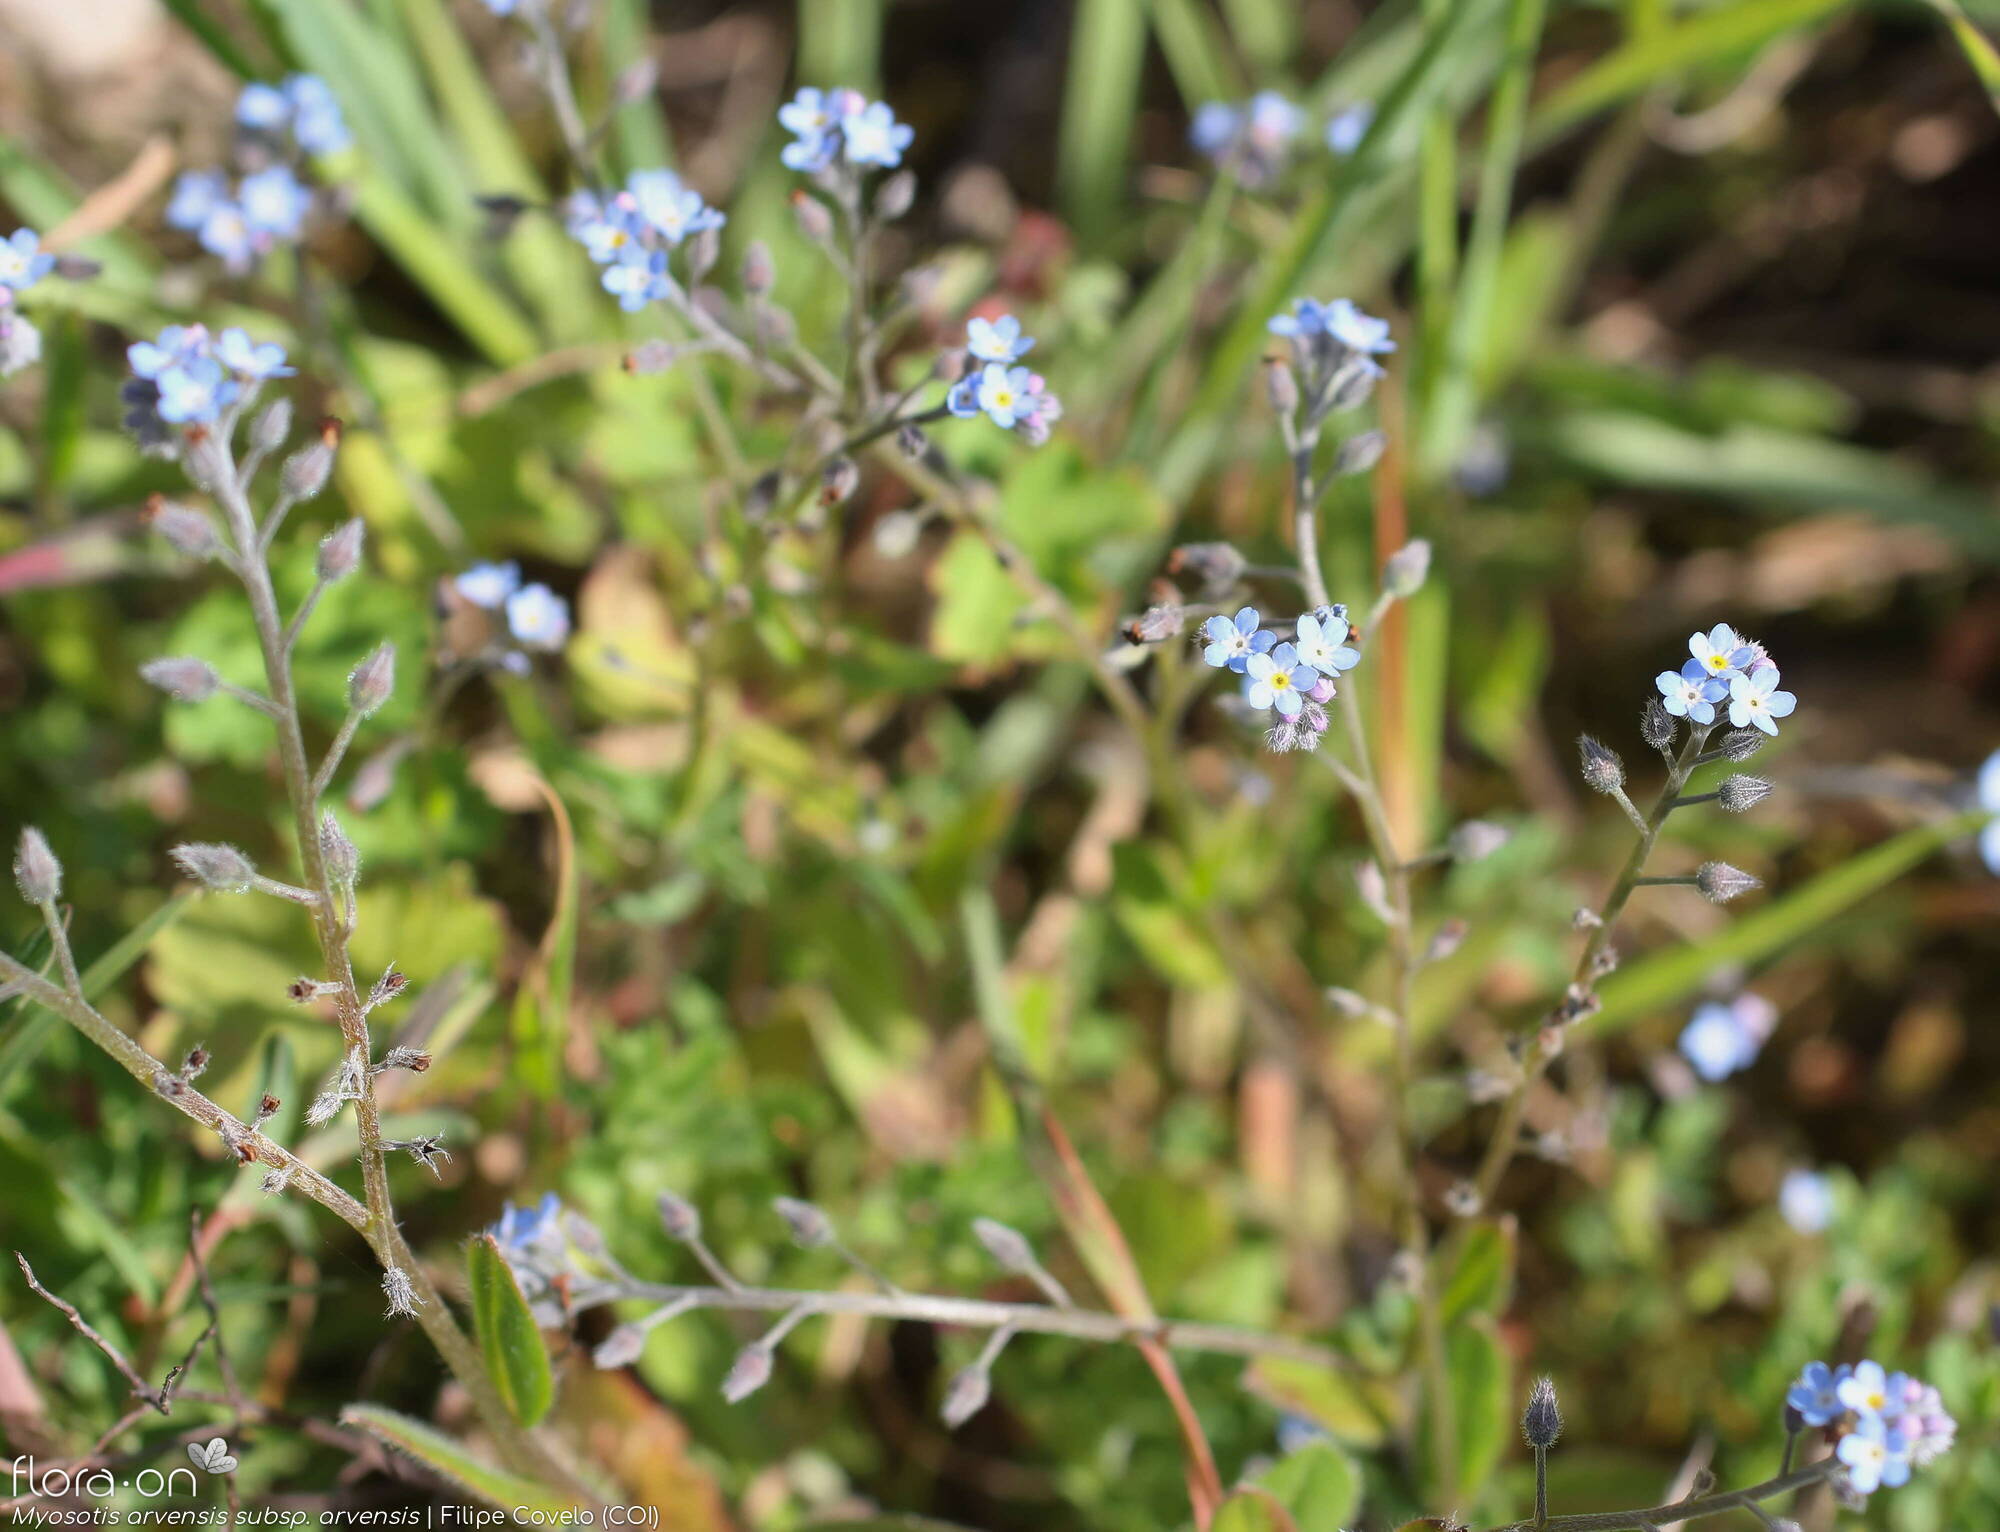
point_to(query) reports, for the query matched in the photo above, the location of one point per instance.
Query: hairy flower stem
(1507, 1131)
(1696, 1506)
(380, 1229)
(1305, 514)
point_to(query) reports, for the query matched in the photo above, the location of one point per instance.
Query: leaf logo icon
(213, 1458)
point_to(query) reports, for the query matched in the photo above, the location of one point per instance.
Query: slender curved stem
(1691, 1509)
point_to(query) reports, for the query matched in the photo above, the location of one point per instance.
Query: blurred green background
(741, 894)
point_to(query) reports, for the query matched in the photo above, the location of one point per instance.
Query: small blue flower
(317, 124)
(1870, 1391)
(1720, 650)
(176, 346)
(963, 398)
(195, 392)
(1691, 692)
(1987, 795)
(1278, 680)
(263, 107)
(638, 277)
(22, 263)
(538, 617)
(489, 585)
(197, 193)
(274, 202)
(1755, 700)
(997, 340)
(1725, 1037)
(1322, 643)
(814, 117)
(1806, 1201)
(1346, 129)
(1816, 1394)
(503, 7)
(873, 136)
(671, 209)
(1004, 393)
(244, 357)
(226, 232)
(1231, 642)
(1214, 127)
(521, 1229)
(1270, 123)
(1875, 1455)
(1340, 320)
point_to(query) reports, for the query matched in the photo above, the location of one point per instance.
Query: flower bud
(340, 551)
(897, 533)
(679, 1217)
(1476, 839)
(1740, 744)
(897, 195)
(839, 481)
(1657, 725)
(652, 356)
(306, 471)
(912, 443)
(1603, 772)
(1008, 1247)
(1351, 386)
(272, 425)
(1374, 888)
(402, 1295)
(222, 869)
(759, 271)
(1217, 565)
(373, 680)
(810, 1227)
(813, 218)
(205, 459)
(187, 529)
(1404, 573)
(336, 851)
(1541, 1422)
(37, 873)
(703, 251)
(1346, 1001)
(621, 1348)
(966, 1396)
(181, 677)
(1720, 882)
(1360, 453)
(749, 1372)
(1281, 386)
(1739, 794)
(1446, 940)
(635, 82)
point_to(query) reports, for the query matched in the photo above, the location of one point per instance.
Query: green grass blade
(450, 1461)
(1266, 31)
(1100, 103)
(1195, 52)
(1979, 50)
(840, 43)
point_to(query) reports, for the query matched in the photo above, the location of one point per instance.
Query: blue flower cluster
(631, 233)
(998, 387)
(1320, 330)
(1294, 678)
(537, 618)
(1253, 138)
(278, 126)
(1724, 1037)
(1723, 664)
(22, 264)
(831, 127)
(188, 376)
(1884, 1423)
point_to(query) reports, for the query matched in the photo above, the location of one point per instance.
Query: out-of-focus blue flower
(247, 359)
(672, 209)
(638, 277)
(538, 618)
(1252, 139)
(274, 202)
(1869, 1390)
(176, 346)
(1270, 123)
(197, 193)
(1004, 393)
(317, 124)
(195, 392)
(1925, 1422)
(813, 116)
(872, 136)
(1755, 700)
(1346, 129)
(22, 263)
(1213, 128)
(525, 1233)
(226, 233)
(1040, 410)
(1231, 641)
(1720, 651)
(1322, 643)
(1875, 1455)
(1806, 1201)
(1724, 1037)
(504, 7)
(1691, 692)
(1279, 679)
(997, 340)
(1987, 795)
(263, 107)
(489, 585)
(963, 398)
(1339, 320)
(1816, 1394)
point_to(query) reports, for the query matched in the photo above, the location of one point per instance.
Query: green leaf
(1481, 1413)
(1979, 50)
(1327, 1398)
(1642, 988)
(1253, 1510)
(1318, 1484)
(450, 1461)
(516, 1360)
(1482, 1272)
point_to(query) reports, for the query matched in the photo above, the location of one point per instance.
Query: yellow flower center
(1279, 681)
(1718, 662)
